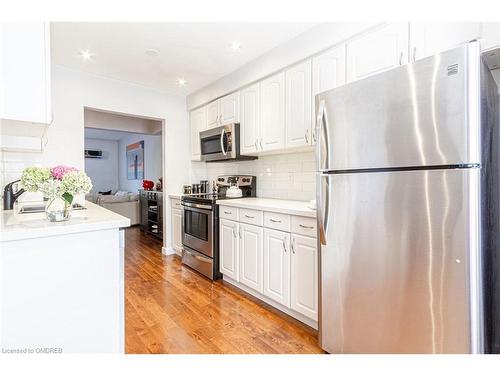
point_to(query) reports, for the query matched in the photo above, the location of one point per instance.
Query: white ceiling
(198, 52)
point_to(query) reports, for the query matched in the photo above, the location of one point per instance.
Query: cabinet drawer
(176, 203)
(230, 213)
(304, 225)
(277, 221)
(251, 216)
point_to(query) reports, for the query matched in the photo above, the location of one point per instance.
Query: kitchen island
(61, 284)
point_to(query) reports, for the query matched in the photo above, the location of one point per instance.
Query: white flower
(76, 182)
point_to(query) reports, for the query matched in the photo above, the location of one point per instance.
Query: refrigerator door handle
(322, 132)
(323, 207)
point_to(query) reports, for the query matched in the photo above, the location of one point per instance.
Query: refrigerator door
(399, 262)
(422, 114)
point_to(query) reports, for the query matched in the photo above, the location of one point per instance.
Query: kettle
(234, 192)
(9, 196)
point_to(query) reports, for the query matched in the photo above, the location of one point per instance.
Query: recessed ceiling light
(86, 55)
(235, 46)
(181, 82)
(152, 52)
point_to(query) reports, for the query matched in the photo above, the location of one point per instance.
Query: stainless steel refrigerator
(407, 194)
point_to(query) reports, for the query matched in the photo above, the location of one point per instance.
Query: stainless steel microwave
(222, 144)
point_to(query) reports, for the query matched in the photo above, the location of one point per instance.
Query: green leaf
(68, 198)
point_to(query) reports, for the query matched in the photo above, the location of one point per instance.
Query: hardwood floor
(172, 309)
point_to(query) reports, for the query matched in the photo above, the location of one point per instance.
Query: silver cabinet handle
(293, 246)
(306, 136)
(222, 133)
(239, 232)
(235, 234)
(250, 217)
(284, 246)
(260, 142)
(275, 221)
(414, 53)
(401, 58)
(256, 145)
(228, 212)
(305, 226)
(314, 135)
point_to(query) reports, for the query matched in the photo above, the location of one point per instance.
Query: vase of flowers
(58, 185)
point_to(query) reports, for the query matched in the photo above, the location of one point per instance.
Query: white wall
(152, 160)
(104, 171)
(287, 176)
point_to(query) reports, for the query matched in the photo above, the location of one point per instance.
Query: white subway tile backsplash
(288, 176)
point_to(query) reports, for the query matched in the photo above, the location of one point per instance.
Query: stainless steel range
(200, 224)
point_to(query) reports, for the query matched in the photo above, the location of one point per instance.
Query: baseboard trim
(167, 251)
(294, 314)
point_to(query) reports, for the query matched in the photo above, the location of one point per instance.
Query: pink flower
(59, 171)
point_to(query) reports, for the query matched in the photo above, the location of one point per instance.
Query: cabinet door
(277, 266)
(298, 105)
(328, 72)
(378, 50)
(229, 248)
(230, 109)
(198, 123)
(249, 119)
(251, 256)
(25, 72)
(430, 38)
(304, 276)
(177, 230)
(272, 113)
(213, 112)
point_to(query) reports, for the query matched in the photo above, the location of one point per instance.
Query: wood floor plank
(170, 308)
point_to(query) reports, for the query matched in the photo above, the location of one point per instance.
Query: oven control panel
(235, 180)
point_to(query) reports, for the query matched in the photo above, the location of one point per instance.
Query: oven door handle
(222, 133)
(195, 205)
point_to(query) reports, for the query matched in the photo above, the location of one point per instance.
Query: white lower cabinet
(228, 249)
(277, 266)
(304, 276)
(251, 256)
(177, 230)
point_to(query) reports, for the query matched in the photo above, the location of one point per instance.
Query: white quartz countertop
(299, 208)
(14, 226)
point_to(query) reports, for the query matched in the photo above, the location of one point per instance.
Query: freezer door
(399, 262)
(422, 114)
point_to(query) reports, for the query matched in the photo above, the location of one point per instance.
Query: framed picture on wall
(135, 161)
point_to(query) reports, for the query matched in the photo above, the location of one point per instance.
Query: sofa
(123, 203)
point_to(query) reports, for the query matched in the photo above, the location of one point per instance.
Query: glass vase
(57, 209)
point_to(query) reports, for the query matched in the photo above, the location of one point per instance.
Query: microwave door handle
(222, 133)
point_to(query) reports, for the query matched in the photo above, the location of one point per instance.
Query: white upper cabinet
(328, 72)
(250, 119)
(430, 38)
(277, 266)
(25, 72)
(229, 257)
(230, 108)
(298, 105)
(381, 49)
(304, 276)
(198, 122)
(213, 110)
(251, 256)
(225, 110)
(272, 113)
(490, 37)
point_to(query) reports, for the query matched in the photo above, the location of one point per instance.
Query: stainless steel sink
(41, 208)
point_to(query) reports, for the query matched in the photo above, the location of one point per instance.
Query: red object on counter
(147, 184)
